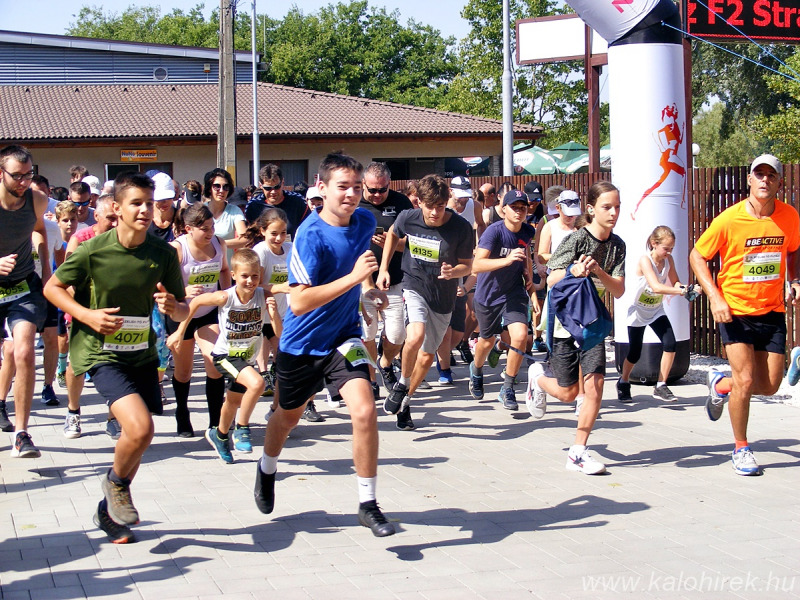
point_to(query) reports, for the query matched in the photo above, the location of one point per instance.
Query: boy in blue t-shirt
(321, 338)
(503, 265)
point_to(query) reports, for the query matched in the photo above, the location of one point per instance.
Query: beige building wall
(193, 161)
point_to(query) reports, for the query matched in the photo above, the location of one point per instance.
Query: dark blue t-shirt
(321, 254)
(494, 287)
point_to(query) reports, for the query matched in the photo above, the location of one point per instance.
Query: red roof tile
(190, 111)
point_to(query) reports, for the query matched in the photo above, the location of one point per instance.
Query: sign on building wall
(769, 20)
(139, 155)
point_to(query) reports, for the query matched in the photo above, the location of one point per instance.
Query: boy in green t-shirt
(117, 277)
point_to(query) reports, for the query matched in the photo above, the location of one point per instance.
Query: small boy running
(321, 338)
(503, 265)
(241, 317)
(117, 276)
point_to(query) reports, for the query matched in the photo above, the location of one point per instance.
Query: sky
(54, 16)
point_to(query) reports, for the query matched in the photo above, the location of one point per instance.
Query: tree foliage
(550, 95)
(781, 128)
(723, 143)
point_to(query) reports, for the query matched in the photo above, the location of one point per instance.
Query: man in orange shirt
(757, 240)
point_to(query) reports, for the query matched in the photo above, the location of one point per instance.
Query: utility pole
(508, 115)
(256, 152)
(226, 137)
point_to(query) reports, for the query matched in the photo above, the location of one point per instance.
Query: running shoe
(424, 385)
(164, 399)
(118, 534)
(221, 446)
(396, 400)
(715, 401)
(579, 403)
(744, 463)
(475, 382)
(269, 384)
(5, 423)
(113, 429)
(535, 397)
(270, 412)
(624, 391)
(465, 352)
(539, 345)
(662, 392)
(793, 374)
(370, 515)
(446, 377)
(508, 398)
(23, 447)
(389, 378)
(241, 440)
(49, 395)
(311, 415)
(119, 502)
(404, 422)
(61, 379)
(264, 490)
(584, 461)
(334, 400)
(72, 426)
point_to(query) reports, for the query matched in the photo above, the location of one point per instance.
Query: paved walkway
(480, 495)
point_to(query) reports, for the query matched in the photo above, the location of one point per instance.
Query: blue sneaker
(221, 446)
(49, 396)
(744, 463)
(241, 440)
(508, 398)
(793, 374)
(445, 376)
(715, 401)
(475, 382)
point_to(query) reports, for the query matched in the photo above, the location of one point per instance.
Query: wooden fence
(711, 190)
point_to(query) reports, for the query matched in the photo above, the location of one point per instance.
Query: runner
(117, 276)
(22, 306)
(503, 265)
(321, 339)
(438, 252)
(593, 251)
(757, 240)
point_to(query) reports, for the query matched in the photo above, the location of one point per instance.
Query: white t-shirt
(53, 243)
(276, 270)
(225, 225)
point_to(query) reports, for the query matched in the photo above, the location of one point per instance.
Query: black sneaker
(376, 391)
(396, 399)
(119, 502)
(23, 447)
(404, 422)
(264, 490)
(369, 515)
(465, 352)
(118, 534)
(389, 378)
(49, 396)
(624, 391)
(5, 423)
(311, 415)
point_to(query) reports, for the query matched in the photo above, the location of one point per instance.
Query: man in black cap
(535, 209)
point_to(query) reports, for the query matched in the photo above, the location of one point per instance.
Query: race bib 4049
(761, 266)
(132, 336)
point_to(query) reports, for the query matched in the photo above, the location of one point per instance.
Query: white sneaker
(72, 426)
(578, 403)
(744, 463)
(580, 459)
(270, 412)
(535, 398)
(333, 401)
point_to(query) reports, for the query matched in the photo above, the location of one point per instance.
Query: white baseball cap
(165, 189)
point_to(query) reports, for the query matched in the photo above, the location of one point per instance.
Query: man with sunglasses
(272, 194)
(385, 205)
(22, 304)
(80, 195)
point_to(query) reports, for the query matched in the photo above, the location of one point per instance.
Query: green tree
(781, 128)
(740, 143)
(550, 95)
(361, 51)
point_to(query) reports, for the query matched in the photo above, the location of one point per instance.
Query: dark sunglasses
(221, 186)
(271, 188)
(382, 190)
(570, 202)
(82, 203)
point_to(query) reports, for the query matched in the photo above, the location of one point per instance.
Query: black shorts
(268, 331)
(51, 317)
(765, 333)
(61, 322)
(458, 318)
(114, 381)
(193, 325)
(230, 367)
(567, 361)
(492, 319)
(31, 308)
(301, 377)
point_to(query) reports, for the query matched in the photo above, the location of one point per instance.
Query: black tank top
(16, 227)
